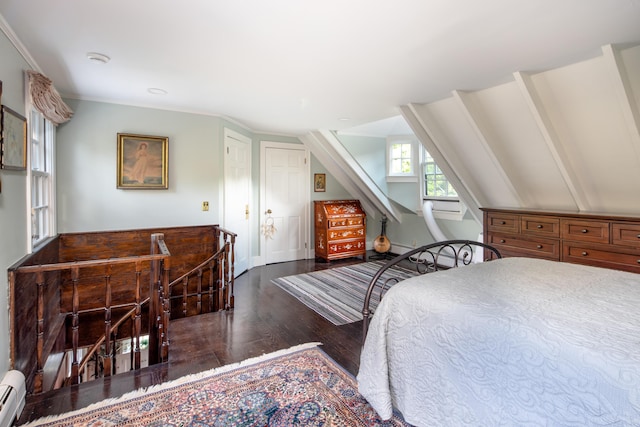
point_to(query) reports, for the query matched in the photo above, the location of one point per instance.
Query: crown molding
(13, 38)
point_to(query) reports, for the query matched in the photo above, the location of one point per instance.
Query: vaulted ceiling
(292, 67)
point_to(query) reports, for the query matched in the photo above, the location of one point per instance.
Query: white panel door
(286, 202)
(237, 187)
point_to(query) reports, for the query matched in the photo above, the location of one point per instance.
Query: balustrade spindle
(107, 322)
(137, 319)
(164, 353)
(185, 294)
(75, 319)
(40, 279)
(199, 292)
(232, 274)
(220, 283)
(212, 286)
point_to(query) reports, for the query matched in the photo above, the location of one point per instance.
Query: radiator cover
(13, 393)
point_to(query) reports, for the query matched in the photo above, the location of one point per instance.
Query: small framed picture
(143, 162)
(14, 140)
(319, 182)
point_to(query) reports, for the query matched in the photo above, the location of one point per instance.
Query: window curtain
(46, 99)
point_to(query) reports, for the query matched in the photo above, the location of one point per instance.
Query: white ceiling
(291, 66)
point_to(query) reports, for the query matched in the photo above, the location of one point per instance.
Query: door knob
(268, 212)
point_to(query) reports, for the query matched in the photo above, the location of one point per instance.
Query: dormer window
(402, 159)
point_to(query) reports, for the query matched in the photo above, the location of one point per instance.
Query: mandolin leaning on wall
(382, 244)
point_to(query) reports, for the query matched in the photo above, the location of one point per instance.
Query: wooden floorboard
(265, 319)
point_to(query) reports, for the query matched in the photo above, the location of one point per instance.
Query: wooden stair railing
(160, 259)
(220, 287)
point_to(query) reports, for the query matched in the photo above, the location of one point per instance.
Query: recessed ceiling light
(156, 91)
(344, 119)
(98, 57)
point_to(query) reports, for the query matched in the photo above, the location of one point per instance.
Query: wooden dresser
(592, 239)
(340, 229)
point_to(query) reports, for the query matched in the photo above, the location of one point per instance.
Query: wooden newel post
(166, 307)
(154, 302)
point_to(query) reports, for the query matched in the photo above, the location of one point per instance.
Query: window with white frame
(401, 159)
(436, 188)
(436, 185)
(42, 139)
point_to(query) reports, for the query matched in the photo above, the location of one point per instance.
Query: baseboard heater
(13, 393)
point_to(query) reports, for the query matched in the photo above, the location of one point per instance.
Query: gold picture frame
(143, 162)
(319, 182)
(14, 140)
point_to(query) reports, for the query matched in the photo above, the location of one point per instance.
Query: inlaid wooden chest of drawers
(582, 238)
(340, 229)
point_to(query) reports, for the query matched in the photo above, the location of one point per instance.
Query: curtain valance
(46, 99)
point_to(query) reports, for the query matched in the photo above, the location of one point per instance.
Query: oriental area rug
(337, 294)
(298, 386)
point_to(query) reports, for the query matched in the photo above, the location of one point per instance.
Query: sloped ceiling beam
(428, 138)
(625, 94)
(536, 107)
(481, 130)
(341, 164)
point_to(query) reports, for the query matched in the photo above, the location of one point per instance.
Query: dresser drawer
(345, 233)
(585, 231)
(509, 245)
(505, 223)
(345, 222)
(625, 234)
(345, 247)
(541, 226)
(601, 256)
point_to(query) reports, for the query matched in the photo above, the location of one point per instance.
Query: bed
(513, 341)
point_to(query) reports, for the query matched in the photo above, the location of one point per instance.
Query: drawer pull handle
(503, 222)
(539, 246)
(584, 253)
(584, 230)
(539, 225)
(638, 236)
(502, 240)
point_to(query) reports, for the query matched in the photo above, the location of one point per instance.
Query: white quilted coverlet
(511, 342)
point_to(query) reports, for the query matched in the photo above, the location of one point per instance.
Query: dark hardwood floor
(265, 319)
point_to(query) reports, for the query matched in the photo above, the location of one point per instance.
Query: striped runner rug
(337, 294)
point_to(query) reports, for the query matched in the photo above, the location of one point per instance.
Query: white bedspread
(509, 342)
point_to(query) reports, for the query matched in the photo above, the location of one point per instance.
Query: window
(436, 185)
(401, 159)
(42, 138)
(437, 189)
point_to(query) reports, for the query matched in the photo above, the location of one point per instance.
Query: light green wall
(87, 197)
(13, 203)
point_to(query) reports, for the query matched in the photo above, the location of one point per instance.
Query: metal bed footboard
(426, 259)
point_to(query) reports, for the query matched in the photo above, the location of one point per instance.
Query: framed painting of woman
(143, 162)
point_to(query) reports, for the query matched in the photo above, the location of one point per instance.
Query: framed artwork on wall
(143, 162)
(14, 140)
(319, 182)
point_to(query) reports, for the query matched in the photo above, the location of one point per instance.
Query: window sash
(436, 186)
(42, 137)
